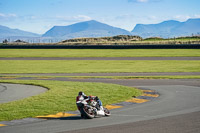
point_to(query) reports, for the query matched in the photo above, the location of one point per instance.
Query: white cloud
(197, 16)
(10, 15)
(143, 1)
(138, 1)
(2, 15)
(185, 17)
(82, 18)
(181, 17)
(72, 18)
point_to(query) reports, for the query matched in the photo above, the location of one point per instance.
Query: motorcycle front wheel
(107, 112)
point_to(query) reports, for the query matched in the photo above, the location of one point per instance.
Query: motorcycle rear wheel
(88, 113)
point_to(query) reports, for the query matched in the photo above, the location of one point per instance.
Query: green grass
(61, 97)
(99, 53)
(91, 66)
(105, 77)
(131, 77)
(150, 77)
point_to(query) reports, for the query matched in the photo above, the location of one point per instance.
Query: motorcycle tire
(107, 112)
(86, 114)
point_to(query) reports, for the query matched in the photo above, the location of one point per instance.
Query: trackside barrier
(157, 46)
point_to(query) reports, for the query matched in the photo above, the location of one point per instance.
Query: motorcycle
(89, 109)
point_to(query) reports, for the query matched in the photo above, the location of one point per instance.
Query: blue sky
(40, 15)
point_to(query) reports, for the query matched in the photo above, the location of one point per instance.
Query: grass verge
(105, 77)
(150, 77)
(99, 53)
(131, 77)
(100, 66)
(61, 97)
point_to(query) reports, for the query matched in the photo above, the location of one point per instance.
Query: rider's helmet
(96, 98)
(81, 93)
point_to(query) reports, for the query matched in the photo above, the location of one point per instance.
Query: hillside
(8, 32)
(168, 29)
(96, 31)
(119, 38)
(85, 29)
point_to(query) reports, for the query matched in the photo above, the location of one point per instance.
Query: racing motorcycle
(90, 109)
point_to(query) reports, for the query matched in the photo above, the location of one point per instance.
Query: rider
(99, 103)
(81, 96)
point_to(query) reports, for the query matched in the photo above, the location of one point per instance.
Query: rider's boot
(101, 108)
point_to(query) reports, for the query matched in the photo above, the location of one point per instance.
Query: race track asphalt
(13, 92)
(174, 111)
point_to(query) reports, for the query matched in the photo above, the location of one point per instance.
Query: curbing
(2, 125)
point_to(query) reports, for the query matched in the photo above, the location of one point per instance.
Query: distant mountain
(94, 28)
(85, 29)
(8, 32)
(167, 29)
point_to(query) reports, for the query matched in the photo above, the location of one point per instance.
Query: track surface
(173, 124)
(175, 109)
(12, 92)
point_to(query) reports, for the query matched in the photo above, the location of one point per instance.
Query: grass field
(130, 77)
(145, 77)
(105, 77)
(99, 53)
(86, 66)
(61, 97)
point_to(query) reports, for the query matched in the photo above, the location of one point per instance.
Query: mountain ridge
(168, 29)
(90, 28)
(93, 28)
(8, 32)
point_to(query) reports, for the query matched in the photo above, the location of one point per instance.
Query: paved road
(174, 111)
(173, 124)
(12, 92)
(100, 58)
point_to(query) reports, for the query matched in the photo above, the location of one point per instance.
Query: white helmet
(81, 93)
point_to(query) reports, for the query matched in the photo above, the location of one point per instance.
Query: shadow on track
(65, 118)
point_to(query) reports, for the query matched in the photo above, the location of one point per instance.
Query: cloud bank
(143, 1)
